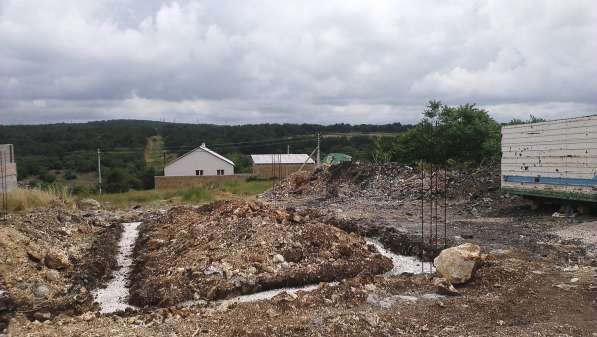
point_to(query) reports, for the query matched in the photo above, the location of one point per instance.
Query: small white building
(200, 162)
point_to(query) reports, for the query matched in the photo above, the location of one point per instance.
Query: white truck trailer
(551, 160)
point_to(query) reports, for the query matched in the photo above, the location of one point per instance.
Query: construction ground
(333, 252)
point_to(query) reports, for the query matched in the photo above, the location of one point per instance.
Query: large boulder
(457, 264)
(89, 204)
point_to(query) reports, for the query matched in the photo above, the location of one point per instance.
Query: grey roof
(281, 158)
(204, 148)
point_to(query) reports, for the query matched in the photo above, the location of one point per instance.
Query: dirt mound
(382, 181)
(50, 259)
(238, 247)
(473, 190)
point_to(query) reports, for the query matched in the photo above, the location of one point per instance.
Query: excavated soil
(538, 276)
(238, 247)
(512, 294)
(51, 259)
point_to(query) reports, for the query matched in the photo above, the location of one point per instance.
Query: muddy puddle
(114, 297)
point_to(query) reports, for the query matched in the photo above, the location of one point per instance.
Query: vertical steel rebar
(273, 182)
(422, 174)
(431, 206)
(445, 206)
(3, 186)
(435, 197)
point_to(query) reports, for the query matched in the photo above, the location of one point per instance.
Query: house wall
(162, 183)
(554, 159)
(281, 170)
(198, 160)
(7, 154)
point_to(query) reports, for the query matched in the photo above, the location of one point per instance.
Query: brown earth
(238, 247)
(51, 259)
(512, 294)
(539, 277)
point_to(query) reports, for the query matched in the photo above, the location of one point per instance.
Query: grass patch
(197, 195)
(245, 188)
(24, 199)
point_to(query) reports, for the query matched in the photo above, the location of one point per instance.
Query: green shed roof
(335, 158)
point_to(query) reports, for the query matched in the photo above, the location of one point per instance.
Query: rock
(89, 204)
(56, 260)
(52, 275)
(457, 264)
(35, 253)
(444, 287)
(372, 319)
(88, 316)
(42, 316)
(41, 291)
(6, 301)
(279, 258)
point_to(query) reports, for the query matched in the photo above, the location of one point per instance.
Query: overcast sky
(324, 61)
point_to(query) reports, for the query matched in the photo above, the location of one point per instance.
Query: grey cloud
(257, 61)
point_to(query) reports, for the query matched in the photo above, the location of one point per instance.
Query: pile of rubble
(382, 181)
(477, 187)
(240, 247)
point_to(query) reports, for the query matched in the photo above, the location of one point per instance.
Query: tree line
(463, 134)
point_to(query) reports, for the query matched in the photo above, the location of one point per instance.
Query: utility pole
(99, 170)
(164, 162)
(318, 148)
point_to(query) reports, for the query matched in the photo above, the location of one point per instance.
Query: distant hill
(73, 147)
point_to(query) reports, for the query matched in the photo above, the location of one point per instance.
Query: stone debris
(237, 247)
(89, 204)
(56, 259)
(391, 181)
(457, 264)
(51, 258)
(444, 287)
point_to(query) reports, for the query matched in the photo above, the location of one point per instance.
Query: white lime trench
(115, 296)
(555, 159)
(201, 161)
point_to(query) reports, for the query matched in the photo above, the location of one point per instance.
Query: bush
(70, 175)
(47, 178)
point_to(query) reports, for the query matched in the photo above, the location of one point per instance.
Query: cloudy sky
(250, 61)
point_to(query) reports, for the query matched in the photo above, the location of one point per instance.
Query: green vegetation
(210, 192)
(132, 152)
(464, 134)
(532, 119)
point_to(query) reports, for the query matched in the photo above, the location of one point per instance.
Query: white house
(200, 162)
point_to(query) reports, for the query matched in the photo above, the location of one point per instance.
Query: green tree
(463, 133)
(383, 149)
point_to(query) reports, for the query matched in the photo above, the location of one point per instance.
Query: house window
(199, 172)
(220, 172)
